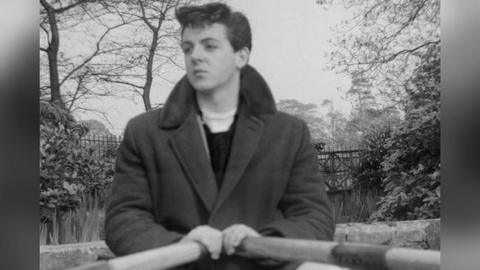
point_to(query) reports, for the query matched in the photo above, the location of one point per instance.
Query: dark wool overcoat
(164, 185)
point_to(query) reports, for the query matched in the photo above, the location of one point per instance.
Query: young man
(218, 163)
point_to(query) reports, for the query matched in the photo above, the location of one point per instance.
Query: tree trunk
(146, 101)
(148, 83)
(52, 52)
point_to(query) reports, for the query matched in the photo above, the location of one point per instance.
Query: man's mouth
(199, 72)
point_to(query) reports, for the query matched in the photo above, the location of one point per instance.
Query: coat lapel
(245, 141)
(188, 145)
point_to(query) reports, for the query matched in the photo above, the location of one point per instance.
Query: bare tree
(49, 25)
(86, 28)
(150, 46)
(110, 49)
(384, 42)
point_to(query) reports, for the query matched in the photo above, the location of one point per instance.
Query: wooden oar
(346, 254)
(153, 259)
(336, 255)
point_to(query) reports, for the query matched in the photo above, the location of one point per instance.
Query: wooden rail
(321, 255)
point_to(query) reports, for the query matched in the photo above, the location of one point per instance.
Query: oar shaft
(351, 255)
(159, 258)
(354, 255)
(153, 259)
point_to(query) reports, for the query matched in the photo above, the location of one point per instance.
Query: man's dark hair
(238, 29)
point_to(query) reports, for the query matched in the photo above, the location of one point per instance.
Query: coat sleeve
(305, 205)
(129, 222)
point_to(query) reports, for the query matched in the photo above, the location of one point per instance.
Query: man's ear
(242, 57)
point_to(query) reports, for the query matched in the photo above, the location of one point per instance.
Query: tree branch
(365, 15)
(46, 32)
(395, 55)
(62, 9)
(93, 54)
(102, 114)
(144, 17)
(77, 90)
(409, 20)
(122, 82)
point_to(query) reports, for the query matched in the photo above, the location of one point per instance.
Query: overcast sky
(289, 44)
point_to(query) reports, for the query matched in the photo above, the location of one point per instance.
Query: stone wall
(424, 234)
(53, 257)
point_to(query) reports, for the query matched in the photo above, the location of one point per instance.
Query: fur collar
(255, 95)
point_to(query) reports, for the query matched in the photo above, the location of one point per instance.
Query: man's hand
(233, 235)
(209, 237)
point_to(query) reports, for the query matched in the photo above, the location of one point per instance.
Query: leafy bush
(369, 173)
(411, 166)
(67, 169)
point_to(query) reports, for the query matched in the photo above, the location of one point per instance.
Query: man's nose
(197, 53)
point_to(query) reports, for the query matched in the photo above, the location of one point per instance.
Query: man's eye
(186, 50)
(210, 46)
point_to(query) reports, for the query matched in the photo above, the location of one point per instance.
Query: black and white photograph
(268, 134)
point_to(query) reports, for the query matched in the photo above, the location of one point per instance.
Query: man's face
(210, 59)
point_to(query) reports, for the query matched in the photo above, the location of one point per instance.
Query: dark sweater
(219, 145)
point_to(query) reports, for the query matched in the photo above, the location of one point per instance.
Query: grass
(43, 233)
(77, 226)
(353, 205)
